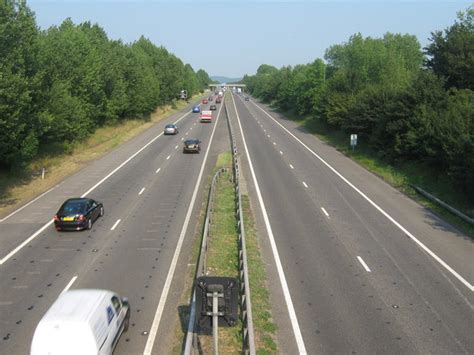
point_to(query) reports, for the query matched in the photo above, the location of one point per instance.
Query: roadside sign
(353, 140)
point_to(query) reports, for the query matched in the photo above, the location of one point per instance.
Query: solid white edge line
(68, 286)
(157, 170)
(169, 278)
(363, 264)
(29, 203)
(141, 191)
(115, 224)
(281, 274)
(325, 212)
(377, 207)
(19, 247)
(305, 185)
(22, 245)
(291, 166)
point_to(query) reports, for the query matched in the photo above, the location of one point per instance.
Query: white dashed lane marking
(363, 264)
(325, 212)
(141, 191)
(291, 166)
(157, 170)
(168, 157)
(305, 185)
(115, 224)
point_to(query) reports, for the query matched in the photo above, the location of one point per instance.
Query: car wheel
(89, 224)
(101, 214)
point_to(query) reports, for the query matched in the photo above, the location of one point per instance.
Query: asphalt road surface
(355, 266)
(151, 192)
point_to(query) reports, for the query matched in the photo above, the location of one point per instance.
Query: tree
(451, 54)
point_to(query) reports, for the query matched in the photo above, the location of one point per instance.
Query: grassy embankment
(223, 261)
(20, 186)
(400, 176)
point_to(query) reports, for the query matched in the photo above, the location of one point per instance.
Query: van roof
(76, 305)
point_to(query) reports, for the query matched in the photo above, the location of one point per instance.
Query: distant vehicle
(247, 98)
(211, 98)
(196, 109)
(82, 322)
(221, 94)
(239, 90)
(206, 116)
(77, 214)
(192, 146)
(171, 129)
(213, 107)
(205, 102)
(218, 100)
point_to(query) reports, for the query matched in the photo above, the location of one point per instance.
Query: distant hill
(224, 79)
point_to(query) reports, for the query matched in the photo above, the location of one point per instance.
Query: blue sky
(233, 37)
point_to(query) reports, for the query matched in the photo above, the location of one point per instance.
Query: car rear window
(74, 207)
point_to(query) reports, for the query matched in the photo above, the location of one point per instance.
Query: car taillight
(56, 218)
(81, 218)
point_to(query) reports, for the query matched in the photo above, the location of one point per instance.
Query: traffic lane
(396, 284)
(137, 257)
(25, 222)
(445, 241)
(329, 299)
(61, 254)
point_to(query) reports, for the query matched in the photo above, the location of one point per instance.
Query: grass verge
(17, 187)
(400, 176)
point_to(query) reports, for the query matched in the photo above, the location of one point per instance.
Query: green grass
(264, 327)
(401, 175)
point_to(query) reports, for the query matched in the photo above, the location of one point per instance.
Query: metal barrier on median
(248, 346)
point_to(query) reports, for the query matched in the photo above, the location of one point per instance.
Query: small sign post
(353, 141)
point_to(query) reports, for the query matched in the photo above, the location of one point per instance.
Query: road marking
(274, 143)
(363, 264)
(141, 191)
(29, 203)
(281, 153)
(169, 278)
(305, 185)
(325, 212)
(377, 207)
(157, 170)
(281, 274)
(268, 135)
(186, 133)
(168, 157)
(176, 147)
(6, 303)
(20, 287)
(69, 284)
(38, 232)
(291, 166)
(115, 224)
(182, 138)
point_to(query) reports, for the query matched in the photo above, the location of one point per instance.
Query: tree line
(60, 84)
(405, 102)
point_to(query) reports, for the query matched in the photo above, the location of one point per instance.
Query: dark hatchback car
(192, 146)
(213, 107)
(78, 214)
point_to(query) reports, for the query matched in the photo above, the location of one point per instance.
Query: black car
(247, 98)
(78, 213)
(213, 107)
(192, 146)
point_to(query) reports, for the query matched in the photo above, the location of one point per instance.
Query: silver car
(171, 129)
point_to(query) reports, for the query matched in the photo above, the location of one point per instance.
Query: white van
(82, 322)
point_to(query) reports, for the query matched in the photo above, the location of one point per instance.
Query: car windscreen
(74, 207)
(191, 142)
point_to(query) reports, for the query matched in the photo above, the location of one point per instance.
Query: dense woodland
(405, 102)
(58, 85)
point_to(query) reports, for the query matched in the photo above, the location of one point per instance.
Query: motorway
(151, 192)
(356, 266)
